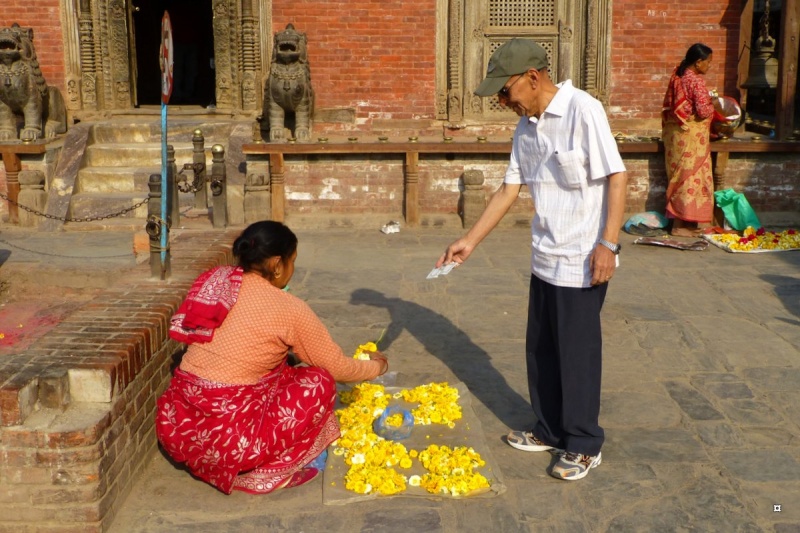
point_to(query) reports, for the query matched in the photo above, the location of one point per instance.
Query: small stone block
(90, 385)
(54, 389)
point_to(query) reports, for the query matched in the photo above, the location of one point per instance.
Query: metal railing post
(154, 228)
(199, 161)
(173, 211)
(219, 201)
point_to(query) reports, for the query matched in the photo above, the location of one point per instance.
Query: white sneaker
(572, 466)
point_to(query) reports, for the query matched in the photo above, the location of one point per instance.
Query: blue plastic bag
(388, 432)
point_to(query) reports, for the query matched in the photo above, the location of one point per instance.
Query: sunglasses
(506, 90)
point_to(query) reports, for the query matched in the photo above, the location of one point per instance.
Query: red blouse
(687, 95)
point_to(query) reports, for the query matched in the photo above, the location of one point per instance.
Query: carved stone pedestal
(31, 195)
(473, 199)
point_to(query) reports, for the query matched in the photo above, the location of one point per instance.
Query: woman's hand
(378, 356)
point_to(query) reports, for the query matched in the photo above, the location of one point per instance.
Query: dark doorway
(193, 45)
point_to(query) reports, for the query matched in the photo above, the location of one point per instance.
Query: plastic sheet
(467, 432)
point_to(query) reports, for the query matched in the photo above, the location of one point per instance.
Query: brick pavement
(700, 386)
(699, 398)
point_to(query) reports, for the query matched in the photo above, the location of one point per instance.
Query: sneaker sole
(533, 447)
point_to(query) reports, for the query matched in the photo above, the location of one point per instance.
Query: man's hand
(458, 251)
(603, 264)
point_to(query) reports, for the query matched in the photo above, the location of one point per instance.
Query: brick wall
(649, 39)
(362, 57)
(376, 56)
(44, 17)
(76, 409)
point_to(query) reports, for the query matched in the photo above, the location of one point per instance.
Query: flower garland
(373, 460)
(760, 239)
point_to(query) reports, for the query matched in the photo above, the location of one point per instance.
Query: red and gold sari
(248, 437)
(252, 437)
(686, 126)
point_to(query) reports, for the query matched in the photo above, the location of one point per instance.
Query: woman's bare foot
(685, 232)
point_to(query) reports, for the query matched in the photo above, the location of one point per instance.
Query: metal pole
(219, 200)
(164, 188)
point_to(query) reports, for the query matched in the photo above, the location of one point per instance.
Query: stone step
(115, 179)
(135, 154)
(91, 205)
(122, 178)
(150, 132)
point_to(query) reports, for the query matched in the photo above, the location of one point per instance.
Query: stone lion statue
(289, 94)
(24, 92)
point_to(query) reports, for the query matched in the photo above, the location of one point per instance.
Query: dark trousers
(564, 358)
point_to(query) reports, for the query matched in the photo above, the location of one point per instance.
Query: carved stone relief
(99, 49)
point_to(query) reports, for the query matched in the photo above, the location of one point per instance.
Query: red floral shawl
(686, 95)
(206, 305)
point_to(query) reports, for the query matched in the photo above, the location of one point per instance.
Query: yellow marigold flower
(361, 351)
(396, 420)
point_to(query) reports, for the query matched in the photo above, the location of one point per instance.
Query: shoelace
(577, 458)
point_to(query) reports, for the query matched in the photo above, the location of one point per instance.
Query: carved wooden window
(573, 32)
(521, 13)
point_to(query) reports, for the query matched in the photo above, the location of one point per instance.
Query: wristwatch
(611, 246)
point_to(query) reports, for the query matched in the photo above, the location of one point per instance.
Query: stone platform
(700, 387)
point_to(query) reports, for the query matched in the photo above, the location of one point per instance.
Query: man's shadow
(468, 361)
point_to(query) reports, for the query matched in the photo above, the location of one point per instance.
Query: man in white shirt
(564, 152)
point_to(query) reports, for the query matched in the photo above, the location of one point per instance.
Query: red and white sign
(166, 58)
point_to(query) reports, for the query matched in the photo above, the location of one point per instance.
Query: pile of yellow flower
(760, 239)
(373, 460)
(362, 352)
(438, 404)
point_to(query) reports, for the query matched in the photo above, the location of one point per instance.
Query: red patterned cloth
(686, 95)
(248, 437)
(206, 305)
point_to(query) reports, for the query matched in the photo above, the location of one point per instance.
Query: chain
(765, 22)
(70, 219)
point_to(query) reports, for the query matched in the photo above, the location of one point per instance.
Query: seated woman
(235, 412)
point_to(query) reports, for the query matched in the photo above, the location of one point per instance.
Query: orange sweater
(261, 328)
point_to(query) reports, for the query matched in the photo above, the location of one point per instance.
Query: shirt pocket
(572, 171)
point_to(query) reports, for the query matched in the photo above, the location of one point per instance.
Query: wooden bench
(412, 149)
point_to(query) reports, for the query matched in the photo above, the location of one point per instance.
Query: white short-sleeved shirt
(564, 158)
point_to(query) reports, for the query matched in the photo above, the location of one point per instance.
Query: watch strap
(611, 246)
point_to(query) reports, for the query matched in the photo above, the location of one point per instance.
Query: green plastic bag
(737, 209)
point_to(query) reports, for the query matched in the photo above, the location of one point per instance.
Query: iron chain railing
(71, 219)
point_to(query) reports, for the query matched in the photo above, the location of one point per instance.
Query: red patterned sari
(686, 126)
(248, 437)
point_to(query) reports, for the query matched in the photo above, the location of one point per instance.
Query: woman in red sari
(235, 412)
(686, 126)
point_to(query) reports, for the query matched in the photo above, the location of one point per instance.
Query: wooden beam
(787, 69)
(745, 41)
